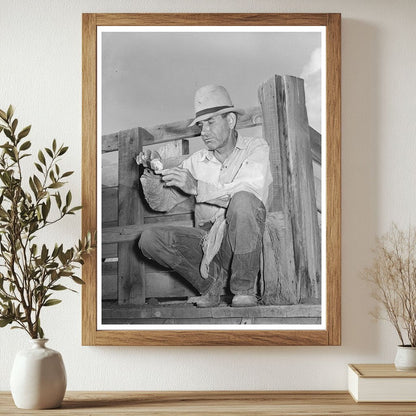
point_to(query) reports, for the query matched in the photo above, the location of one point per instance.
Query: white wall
(40, 73)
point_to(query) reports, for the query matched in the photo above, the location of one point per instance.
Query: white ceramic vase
(38, 378)
(405, 358)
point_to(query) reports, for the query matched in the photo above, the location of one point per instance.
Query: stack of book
(381, 383)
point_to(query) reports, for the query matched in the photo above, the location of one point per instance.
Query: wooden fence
(291, 243)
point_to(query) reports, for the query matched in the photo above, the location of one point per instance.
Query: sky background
(151, 78)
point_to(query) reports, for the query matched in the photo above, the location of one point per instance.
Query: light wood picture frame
(130, 218)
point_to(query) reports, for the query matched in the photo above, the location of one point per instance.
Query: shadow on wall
(360, 180)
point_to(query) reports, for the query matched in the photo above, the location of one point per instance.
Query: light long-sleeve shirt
(246, 169)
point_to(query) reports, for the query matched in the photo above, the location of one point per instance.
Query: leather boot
(213, 296)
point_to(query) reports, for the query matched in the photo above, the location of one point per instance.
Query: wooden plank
(279, 278)
(222, 311)
(171, 149)
(164, 284)
(177, 130)
(130, 212)
(213, 321)
(301, 196)
(159, 282)
(278, 272)
(333, 178)
(109, 287)
(130, 232)
(212, 19)
(212, 403)
(381, 371)
(89, 173)
(109, 204)
(316, 147)
(109, 250)
(183, 220)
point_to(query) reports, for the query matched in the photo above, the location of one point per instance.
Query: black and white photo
(225, 203)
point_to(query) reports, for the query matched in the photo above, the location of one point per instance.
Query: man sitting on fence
(230, 181)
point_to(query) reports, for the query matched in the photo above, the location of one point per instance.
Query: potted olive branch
(30, 274)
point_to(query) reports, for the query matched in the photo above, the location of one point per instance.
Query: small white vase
(38, 377)
(405, 358)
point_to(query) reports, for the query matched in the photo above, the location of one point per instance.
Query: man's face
(215, 132)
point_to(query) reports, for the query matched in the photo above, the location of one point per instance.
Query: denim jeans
(180, 248)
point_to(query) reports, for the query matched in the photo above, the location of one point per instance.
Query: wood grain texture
(222, 311)
(211, 19)
(131, 275)
(211, 337)
(89, 173)
(300, 187)
(279, 266)
(331, 336)
(212, 403)
(333, 178)
(380, 371)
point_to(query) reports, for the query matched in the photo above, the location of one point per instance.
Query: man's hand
(180, 178)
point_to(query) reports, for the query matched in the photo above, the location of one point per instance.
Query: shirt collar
(209, 154)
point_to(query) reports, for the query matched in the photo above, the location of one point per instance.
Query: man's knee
(149, 242)
(245, 204)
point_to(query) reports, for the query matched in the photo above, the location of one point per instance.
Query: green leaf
(58, 199)
(10, 112)
(39, 167)
(68, 199)
(76, 279)
(34, 249)
(5, 321)
(24, 132)
(77, 208)
(3, 115)
(41, 157)
(54, 145)
(25, 145)
(63, 150)
(14, 125)
(33, 187)
(45, 211)
(44, 253)
(8, 133)
(51, 302)
(49, 152)
(56, 185)
(67, 174)
(37, 183)
(40, 332)
(59, 287)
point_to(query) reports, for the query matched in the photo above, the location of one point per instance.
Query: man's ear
(232, 120)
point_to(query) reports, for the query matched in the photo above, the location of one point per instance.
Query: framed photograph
(211, 172)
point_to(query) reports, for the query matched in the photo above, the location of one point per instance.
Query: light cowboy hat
(212, 100)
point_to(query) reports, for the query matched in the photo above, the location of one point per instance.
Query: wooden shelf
(265, 403)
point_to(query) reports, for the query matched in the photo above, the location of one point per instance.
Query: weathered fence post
(292, 234)
(279, 268)
(131, 285)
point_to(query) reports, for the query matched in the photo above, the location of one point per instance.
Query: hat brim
(216, 113)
